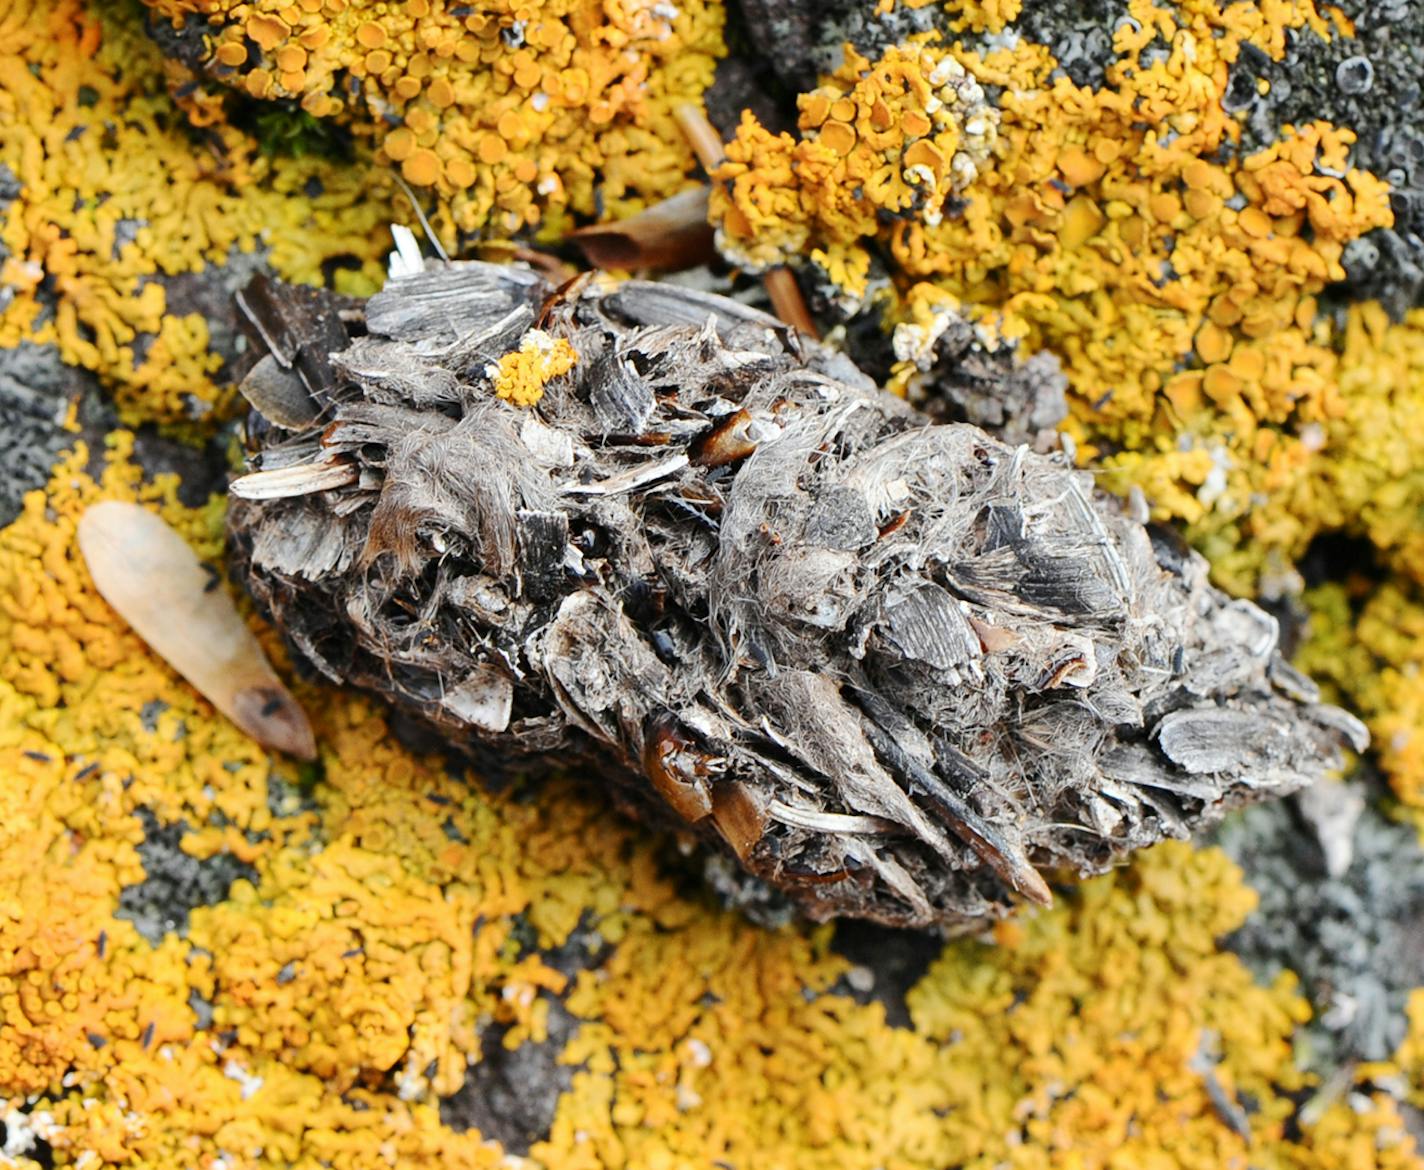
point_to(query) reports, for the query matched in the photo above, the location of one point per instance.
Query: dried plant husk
(155, 582)
(666, 237)
(898, 670)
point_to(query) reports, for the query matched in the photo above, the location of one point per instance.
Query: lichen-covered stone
(109, 190)
(512, 115)
(400, 922)
(1367, 76)
(39, 395)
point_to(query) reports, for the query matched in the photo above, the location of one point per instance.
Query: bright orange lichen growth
(396, 912)
(984, 15)
(1121, 229)
(521, 375)
(115, 193)
(896, 137)
(512, 114)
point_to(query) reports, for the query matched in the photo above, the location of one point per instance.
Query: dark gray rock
(175, 882)
(1079, 32)
(511, 1095)
(36, 390)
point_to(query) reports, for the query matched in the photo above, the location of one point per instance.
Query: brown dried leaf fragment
(147, 572)
(897, 669)
(667, 237)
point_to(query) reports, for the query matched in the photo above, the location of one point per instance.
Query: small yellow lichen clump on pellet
(114, 194)
(512, 113)
(521, 375)
(319, 1011)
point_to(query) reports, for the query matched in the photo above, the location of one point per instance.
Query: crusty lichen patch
(512, 114)
(116, 193)
(889, 139)
(1367, 642)
(319, 1012)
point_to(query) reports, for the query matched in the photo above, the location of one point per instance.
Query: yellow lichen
(521, 375)
(114, 195)
(1354, 465)
(1368, 644)
(1410, 1057)
(512, 114)
(319, 1011)
(984, 15)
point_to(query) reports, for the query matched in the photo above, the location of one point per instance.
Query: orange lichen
(1353, 464)
(983, 15)
(870, 147)
(514, 115)
(521, 375)
(1119, 293)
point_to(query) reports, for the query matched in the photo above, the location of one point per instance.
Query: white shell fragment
(301, 480)
(485, 699)
(147, 572)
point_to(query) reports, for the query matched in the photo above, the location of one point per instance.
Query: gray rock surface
(175, 883)
(36, 390)
(1356, 940)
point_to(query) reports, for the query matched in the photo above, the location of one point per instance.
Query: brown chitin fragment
(898, 669)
